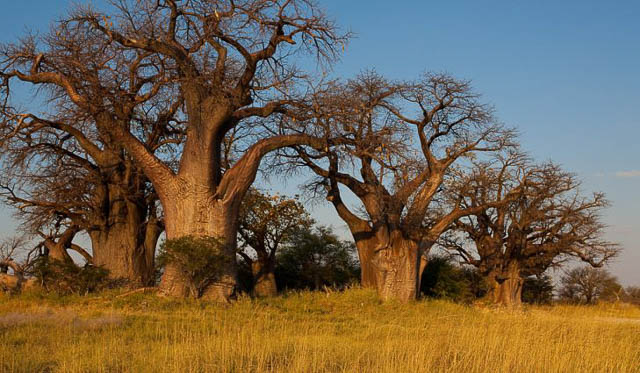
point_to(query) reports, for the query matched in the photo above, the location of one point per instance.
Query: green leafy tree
(537, 289)
(266, 223)
(445, 279)
(316, 257)
(442, 279)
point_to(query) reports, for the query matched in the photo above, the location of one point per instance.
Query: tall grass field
(349, 331)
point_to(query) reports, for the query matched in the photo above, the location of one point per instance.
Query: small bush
(443, 279)
(245, 277)
(314, 258)
(67, 278)
(537, 290)
(200, 259)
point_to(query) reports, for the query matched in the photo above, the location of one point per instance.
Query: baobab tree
(231, 61)
(68, 193)
(549, 222)
(405, 140)
(63, 166)
(50, 206)
(266, 223)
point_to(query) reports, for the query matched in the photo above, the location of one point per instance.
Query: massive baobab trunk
(200, 201)
(195, 212)
(398, 184)
(127, 250)
(393, 267)
(217, 92)
(125, 228)
(506, 286)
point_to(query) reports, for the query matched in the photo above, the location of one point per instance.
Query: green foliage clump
(443, 279)
(314, 258)
(537, 290)
(200, 259)
(66, 278)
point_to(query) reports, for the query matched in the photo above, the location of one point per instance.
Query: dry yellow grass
(310, 332)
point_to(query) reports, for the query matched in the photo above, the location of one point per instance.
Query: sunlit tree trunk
(195, 212)
(125, 230)
(393, 268)
(506, 286)
(368, 271)
(10, 283)
(127, 251)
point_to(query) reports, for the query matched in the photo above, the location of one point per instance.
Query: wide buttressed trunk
(506, 286)
(127, 250)
(393, 268)
(195, 212)
(264, 279)
(126, 230)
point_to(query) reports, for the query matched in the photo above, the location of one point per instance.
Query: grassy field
(310, 332)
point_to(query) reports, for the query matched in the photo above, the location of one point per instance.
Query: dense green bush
(537, 290)
(443, 279)
(200, 259)
(316, 257)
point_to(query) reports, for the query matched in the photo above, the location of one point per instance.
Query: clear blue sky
(566, 73)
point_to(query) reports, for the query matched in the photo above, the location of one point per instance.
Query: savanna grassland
(348, 331)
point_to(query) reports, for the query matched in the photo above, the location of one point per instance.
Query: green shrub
(200, 259)
(315, 257)
(443, 279)
(537, 290)
(245, 277)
